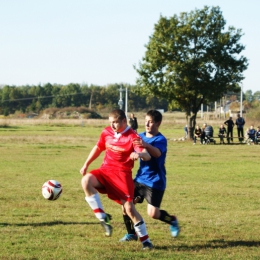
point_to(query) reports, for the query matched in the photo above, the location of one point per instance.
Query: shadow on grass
(52, 223)
(223, 243)
(214, 244)
(9, 127)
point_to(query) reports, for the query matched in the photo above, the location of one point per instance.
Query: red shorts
(118, 184)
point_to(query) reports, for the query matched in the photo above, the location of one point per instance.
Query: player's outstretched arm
(95, 152)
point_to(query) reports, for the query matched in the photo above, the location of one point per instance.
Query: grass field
(214, 191)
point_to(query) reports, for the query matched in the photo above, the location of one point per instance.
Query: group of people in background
(252, 135)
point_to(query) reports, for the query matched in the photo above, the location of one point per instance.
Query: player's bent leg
(139, 224)
(172, 220)
(89, 183)
(131, 235)
(141, 231)
(104, 218)
(131, 211)
(153, 212)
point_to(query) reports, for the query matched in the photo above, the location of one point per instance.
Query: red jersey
(115, 173)
(118, 147)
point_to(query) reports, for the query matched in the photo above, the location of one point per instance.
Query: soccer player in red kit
(114, 177)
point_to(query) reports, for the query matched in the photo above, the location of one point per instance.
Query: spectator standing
(186, 131)
(221, 134)
(203, 133)
(240, 122)
(230, 124)
(133, 122)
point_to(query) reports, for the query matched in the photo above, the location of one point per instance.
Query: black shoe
(147, 245)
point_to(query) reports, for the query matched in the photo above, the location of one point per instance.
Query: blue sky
(99, 41)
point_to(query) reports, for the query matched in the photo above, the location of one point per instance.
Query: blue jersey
(152, 173)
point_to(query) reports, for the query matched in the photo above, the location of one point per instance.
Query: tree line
(31, 98)
(27, 99)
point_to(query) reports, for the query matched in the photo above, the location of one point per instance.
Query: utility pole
(120, 102)
(241, 100)
(126, 102)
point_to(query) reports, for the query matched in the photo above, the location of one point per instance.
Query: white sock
(140, 229)
(96, 205)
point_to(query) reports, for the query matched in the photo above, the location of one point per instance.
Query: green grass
(214, 191)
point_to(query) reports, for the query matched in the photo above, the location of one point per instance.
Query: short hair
(118, 114)
(155, 115)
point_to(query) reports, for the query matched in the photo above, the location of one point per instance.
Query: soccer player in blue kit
(150, 180)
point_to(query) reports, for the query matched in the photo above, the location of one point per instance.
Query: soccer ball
(51, 190)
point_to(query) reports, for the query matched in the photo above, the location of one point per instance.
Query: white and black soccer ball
(51, 190)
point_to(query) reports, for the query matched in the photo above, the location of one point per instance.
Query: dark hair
(155, 115)
(118, 114)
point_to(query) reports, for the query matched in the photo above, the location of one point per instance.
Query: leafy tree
(255, 103)
(9, 96)
(97, 97)
(136, 101)
(256, 96)
(155, 102)
(191, 60)
(46, 100)
(247, 105)
(249, 96)
(233, 98)
(111, 94)
(73, 91)
(26, 99)
(56, 100)
(33, 106)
